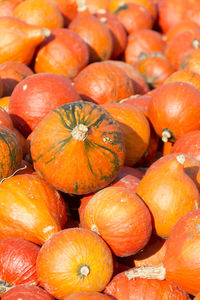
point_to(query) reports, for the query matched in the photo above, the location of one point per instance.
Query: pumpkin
(64, 53)
(101, 45)
(135, 129)
(142, 42)
(27, 292)
(170, 110)
(5, 119)
(4, 103)
(37, 95)
(181, 45)
(190, 62)
(169, 193)
(7, 7)
(142, 102)
(85, 295)
(30, 209)
(10, 152)
(181, 261)
(78, 260)
(23, 142)
(155, 70)
(189, 143)
(39, 12)
(18, 44)
(180, 27)
(134, 17)
(68, 8)
(17, 263)
(139, 85)
(118, 32)
(102, 82)
(190, 77)
(11, 74)
(122, 288)
(88, 142)
(121, 218)
(148, 4)
(97, 5)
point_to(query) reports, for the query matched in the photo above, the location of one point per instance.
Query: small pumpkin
(78, 260)
(30, 209)
(180, 27)
(68, 8)
(186, 76)
(190, 62)
(17, 263)
(7, 7)
(86, 295)
(27, 292)
(86, 142)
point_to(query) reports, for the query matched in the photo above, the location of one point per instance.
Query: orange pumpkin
(39, 12)
(36, 96)
(142, 42)
(180, 27)
(10, 152)
(97, 5)
(68, 8)
(102, 82)
(170, 110)
(30, 209)
(4, 101)
(190, 77)
(27, 292)
(142, 102)
(169, 193)
(7, 7)
(11, 74)
(86, 295)
(120, 217)
(190, 62)
(64, 53)
(135, 129)
(18, 44)
(78, 260)
(85, 141)
(5, 119)
(101, 44)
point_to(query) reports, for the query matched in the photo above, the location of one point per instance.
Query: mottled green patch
(120, 8)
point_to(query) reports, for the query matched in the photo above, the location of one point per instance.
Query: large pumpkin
(78, 148)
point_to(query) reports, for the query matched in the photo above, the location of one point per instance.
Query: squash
(85, 295)
(20, 42)
(30, 209)
(85, 141)
(17, 263)
(36, 96)
(190, 62)
(27, 292)
(7, 7)
(68, 8)
(180, 27)
(78, 260)
(186, 76)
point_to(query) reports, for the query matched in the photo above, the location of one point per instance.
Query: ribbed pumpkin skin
(39, 12)
(121, 218)
(17, 263)
(103, 82)
(37, 95)
(64, 53)
(11, 74)
(30, 208)
(135, 129)
(169, 193)
(27, 292)
(85, 295)
(61, 259)
(86, 164)
(10, 152)
(19, 43)
(146, 289)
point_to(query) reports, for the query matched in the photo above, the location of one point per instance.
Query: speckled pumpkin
(78, 148)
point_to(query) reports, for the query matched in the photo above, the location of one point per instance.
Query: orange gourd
(85, 295)
(169, 193)
(68, 8)
(27, 292)
(190, 77)
(4, 102)
(7, 7)
(18, 44)
(120, 217)
(102, 82)
(85, 141)
(64, 53)
(30, 209)
(100, 45)
(190, 62)
(170, 110)
(39, 12)
(11, 74)
(5, 119)
(97, 5)
(180, 27)
(78, 260)
(135, 129)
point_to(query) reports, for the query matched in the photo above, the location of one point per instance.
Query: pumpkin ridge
(12, 154)
(63, 120)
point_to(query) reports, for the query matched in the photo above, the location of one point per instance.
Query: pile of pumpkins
(99, 149)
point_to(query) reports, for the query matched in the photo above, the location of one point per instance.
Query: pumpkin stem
(101, 11)
(103, 20)
(84, 271)
(46, 32)
(80, 132)
(166, 135)
(195, 44)
(94, 228)
(22, 168)
(4, 287)
(81, 5)
(156, 272)
(181, 159)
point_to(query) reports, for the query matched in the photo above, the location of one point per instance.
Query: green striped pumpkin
(78, 148)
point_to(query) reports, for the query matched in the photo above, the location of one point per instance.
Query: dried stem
(156, 272)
